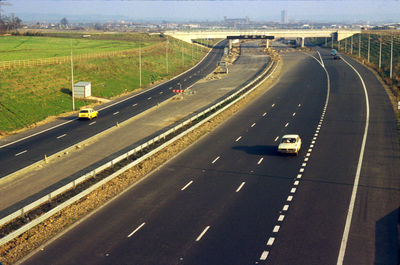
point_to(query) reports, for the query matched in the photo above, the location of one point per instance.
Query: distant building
(284, 17)
(236, 22)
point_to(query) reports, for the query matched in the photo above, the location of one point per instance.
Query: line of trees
(9, 23)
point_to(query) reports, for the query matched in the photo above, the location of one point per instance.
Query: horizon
(325, 11)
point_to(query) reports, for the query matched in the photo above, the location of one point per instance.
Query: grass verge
(48, 88)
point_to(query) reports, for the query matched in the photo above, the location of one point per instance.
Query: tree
(10, 23)
(64, 22)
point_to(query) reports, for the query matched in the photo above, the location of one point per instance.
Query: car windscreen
(289, 140)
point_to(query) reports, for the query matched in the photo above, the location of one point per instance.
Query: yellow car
(88, 113)
(290, 144)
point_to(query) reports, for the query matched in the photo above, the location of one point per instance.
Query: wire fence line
(67, 59)
(380, 50)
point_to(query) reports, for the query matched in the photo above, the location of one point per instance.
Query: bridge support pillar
(230, 45)
(302, 42)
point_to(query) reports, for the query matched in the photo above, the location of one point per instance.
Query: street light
(72, 80)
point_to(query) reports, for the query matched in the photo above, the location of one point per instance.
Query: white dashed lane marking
(240, 187)
(254, 124)
(148, 98)
(61, 136)
(93, 122)
(271, 241)
(134, 105)
(20, 153)
(202, 233)
(237, 139)
(264, 114)
(273, 105)
(137, 229)
(264, 255)
(215, 160)
(293, 189)
(259, 161)
(187, 185)
(115, 113)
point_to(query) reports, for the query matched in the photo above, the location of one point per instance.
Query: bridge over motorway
(299, 34)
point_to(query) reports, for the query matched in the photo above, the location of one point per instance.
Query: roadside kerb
(25, 169)
(73, 184)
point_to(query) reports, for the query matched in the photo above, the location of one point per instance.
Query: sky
(381, 11)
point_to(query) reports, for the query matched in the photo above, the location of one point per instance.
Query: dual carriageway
(231, 199)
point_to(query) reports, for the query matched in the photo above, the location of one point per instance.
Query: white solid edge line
(187, 185)
(202, 234)
(322, 62)
(346, 231)
(240, 187)
(137, 229)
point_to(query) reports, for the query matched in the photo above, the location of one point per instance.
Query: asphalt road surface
(232, 199)
(25, 152)
(30, 185)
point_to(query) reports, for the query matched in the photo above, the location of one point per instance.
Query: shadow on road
(387, 249)
(262, 150)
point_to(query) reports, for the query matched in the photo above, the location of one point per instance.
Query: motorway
(30, 185)
(231, 199)
(28, 150)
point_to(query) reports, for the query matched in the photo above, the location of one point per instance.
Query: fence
(67, 59)
(380, 50)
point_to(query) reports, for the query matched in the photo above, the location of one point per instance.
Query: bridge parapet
(188, 36)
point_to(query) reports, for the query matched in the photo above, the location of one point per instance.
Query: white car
(290, 144)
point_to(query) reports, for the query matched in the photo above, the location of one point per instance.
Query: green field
(28, 47)
(29, 95)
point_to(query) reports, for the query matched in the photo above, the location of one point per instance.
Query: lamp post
(72, 80)
(140, 65)
(166, 56)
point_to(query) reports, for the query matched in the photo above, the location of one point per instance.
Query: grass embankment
(379, 44)
(29, 95)
(27, 47)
